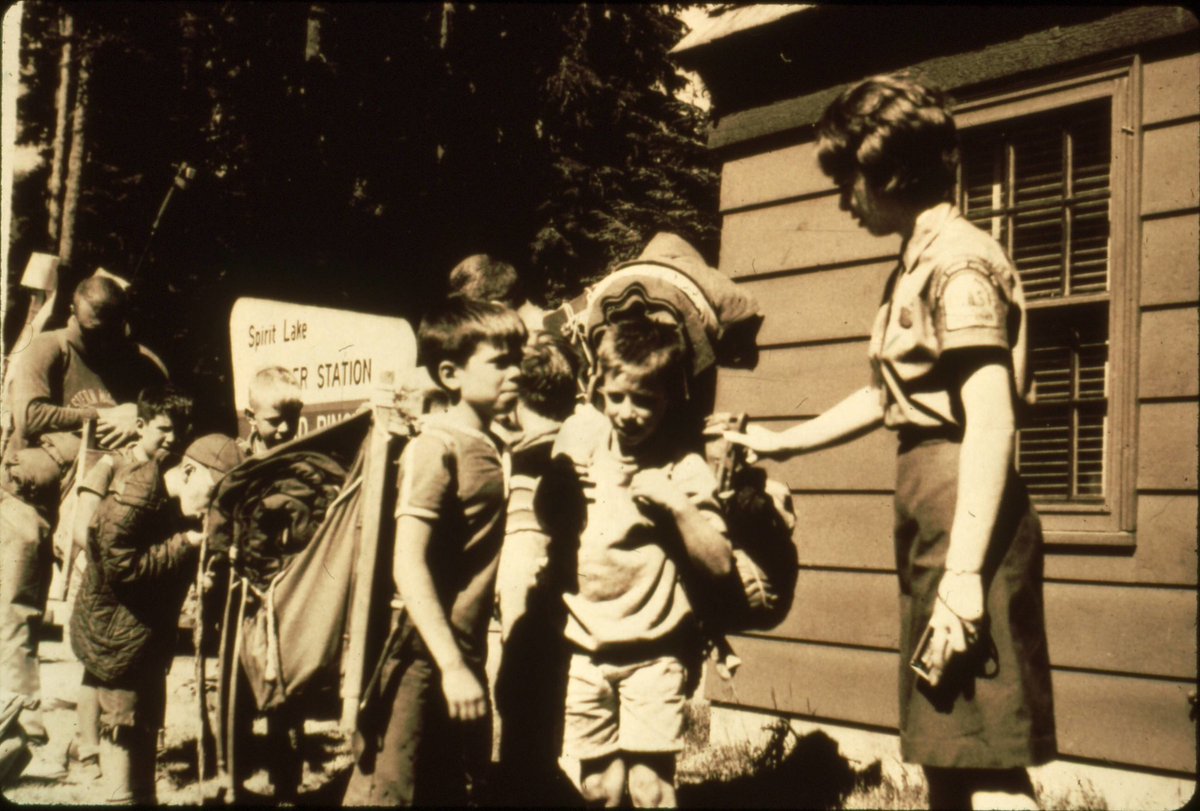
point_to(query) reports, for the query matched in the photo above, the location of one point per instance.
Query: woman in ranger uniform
(947, 358)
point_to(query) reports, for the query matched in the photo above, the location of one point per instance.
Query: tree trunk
(62, 98)
(317, 13)
(66, 240)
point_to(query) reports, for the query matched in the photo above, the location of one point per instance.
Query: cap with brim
(216, 452)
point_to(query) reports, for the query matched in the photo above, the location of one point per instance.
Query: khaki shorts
(634, 707)
(135, 700)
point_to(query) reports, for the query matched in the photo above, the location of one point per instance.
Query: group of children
(587, 532)
(139, 522)
(599, 523)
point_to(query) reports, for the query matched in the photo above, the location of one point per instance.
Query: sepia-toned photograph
(578, 405)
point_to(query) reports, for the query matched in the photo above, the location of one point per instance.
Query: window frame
(1111, 522)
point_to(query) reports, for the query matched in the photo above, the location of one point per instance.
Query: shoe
(47, 763)
(86, 770)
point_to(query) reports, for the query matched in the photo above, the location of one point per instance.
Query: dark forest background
(346, 155)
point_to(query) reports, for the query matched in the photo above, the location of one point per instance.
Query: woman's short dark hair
(898, 132)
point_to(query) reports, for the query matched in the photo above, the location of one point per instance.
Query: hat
(217, 452)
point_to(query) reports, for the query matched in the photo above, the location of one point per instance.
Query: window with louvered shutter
(1041, 185)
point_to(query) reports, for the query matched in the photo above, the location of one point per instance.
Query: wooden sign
(337, 356)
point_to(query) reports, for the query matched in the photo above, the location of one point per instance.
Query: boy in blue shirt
(428, 738)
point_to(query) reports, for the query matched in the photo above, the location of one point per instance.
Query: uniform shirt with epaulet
(954, 288)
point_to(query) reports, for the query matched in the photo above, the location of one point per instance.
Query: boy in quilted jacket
(141, 558)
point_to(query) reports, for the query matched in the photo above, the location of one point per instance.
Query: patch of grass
(787, 771)
(1083, 796)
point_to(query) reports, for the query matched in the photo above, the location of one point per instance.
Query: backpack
(669, 282)
(760, 519)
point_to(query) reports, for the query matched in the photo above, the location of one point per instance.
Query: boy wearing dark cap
(141, 558)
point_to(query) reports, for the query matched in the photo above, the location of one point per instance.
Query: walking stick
(201, 685)
(184, 175)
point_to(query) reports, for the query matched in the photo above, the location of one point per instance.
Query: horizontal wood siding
(1165, 553)
(843, 530)
(1121, 620)
(1169, 89)
(1170, 168)
(1148, 631)
(1167, 446)
(1171, 260)
(824, 305)
(816, 680)
(788, 172)
(795, 236)
(864, 465)
(796, 381)
(1168, 350)
(1139, 722)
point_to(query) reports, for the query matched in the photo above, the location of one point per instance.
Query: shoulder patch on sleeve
(969, 299)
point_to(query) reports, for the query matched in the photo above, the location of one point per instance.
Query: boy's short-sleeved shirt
(629, 589)
(99, 476)
(954, 289)
(454, 478)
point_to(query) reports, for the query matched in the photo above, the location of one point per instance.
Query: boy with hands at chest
(651, 520)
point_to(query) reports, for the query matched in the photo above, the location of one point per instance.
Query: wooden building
(1081, 152)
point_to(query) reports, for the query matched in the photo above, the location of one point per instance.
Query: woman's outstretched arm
(854, 416)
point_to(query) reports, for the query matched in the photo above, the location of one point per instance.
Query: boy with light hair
(651, 521)
(274, 412)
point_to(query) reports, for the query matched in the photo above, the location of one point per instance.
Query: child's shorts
(135, 700)
(635, 707)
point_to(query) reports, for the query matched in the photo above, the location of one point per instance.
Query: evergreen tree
(349, 154)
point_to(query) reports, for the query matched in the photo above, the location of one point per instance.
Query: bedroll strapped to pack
(291, 547)
(669, 282)
(760, 518)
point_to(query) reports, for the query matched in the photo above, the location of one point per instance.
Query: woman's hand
(954, 621)
(758, 441)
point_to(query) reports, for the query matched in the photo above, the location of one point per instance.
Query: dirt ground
(327, 750)
(787, 772)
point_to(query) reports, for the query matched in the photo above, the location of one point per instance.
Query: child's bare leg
(127, 759)
(87, 709)
(1002, 788)
(602, 781)
(116, 764)
(652, 780)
